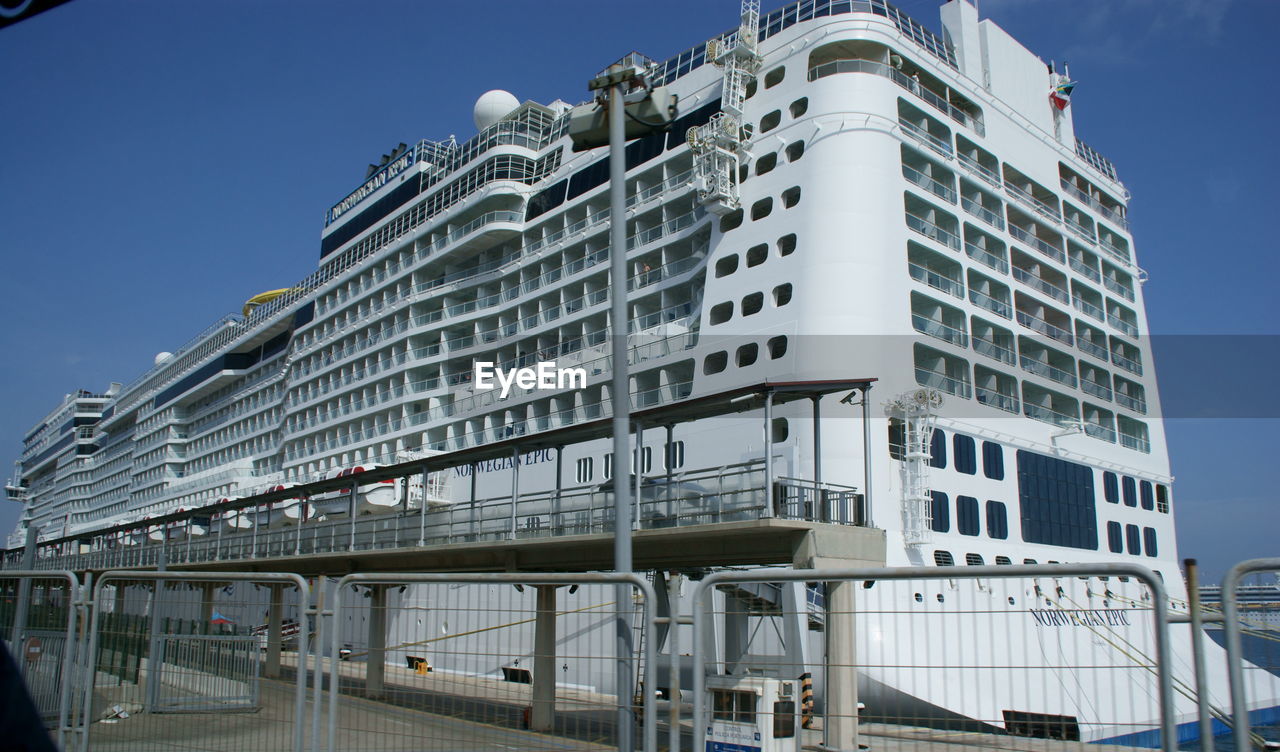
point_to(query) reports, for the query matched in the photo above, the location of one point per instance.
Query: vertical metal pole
(621, 390)
(637, 471)
(768, 454)
(555, 501)
(275, 629)
(473, 498)
(542, 716)
(422, 510)
(376, 661)
(303, 503)
(819, 509)
(669, 461)
(1197, 652)
(24, 592)
(351, 507)
(515, 486)
(866, 456)
(673, 650)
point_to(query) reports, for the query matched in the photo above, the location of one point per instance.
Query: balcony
(920, 88)
(928, 183)
(1099, 423)
(1039, 368)
(941, 371)
(935, 280)
(983, 213)
(1111, 212)
(933, 231)
(1006, 402)
(1028, 237)
(1081, 265)
(925, 137)
(998, 307)
(939, 330)
(942, 382)
(1036, 283)
(1038, 324)
(1123, 325)
(987, 258)
(1048, 406)
(1119, 288)
(981, 163)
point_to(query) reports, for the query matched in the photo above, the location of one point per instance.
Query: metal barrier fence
(484, 661)
(181, 656)
(1068, 654)
(1250, 671)
(40, 615)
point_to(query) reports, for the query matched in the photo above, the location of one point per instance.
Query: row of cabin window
(968, 521)
(1152, 495)
(755, 255)
(964, 452)
(1136, 543)
(760, 209)
(586, 466)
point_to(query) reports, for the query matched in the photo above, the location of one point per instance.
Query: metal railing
(933, 231)
(986, 257)
(1035, 282)
(1006, 402)
(933, 328)
(938, 380)
(1048, 249)
(990, 349)
(935, 280)
(1040, 368)
(982, 212)
(930, 184)
(1048, 414)
(1035, 323)
(998, 307)
(1118, 287)
(901, 79)
(925, 137)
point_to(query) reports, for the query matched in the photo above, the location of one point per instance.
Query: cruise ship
(844, 193)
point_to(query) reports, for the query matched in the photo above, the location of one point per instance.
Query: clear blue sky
(160, 162)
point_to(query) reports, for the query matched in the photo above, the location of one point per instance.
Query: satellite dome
(491, 106)
(163, 357)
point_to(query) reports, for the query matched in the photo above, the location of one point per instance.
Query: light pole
(626, 107)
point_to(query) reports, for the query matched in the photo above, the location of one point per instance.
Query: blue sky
(160, 162)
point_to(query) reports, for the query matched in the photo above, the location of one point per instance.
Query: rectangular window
(966, 454)
(1162, 498)
(1115, 538)
(1149, 541)
(585, 469)
(784, 719)
(897, 439)
(993, 460)
(1111, 487)
(734, 706)
(1130, 491)
(675, 455)
(938, 450)
(1134, 539)
(607, 470)
(940, 512)
(967, 515)
(1057, 503)
(1148, 497)
(997, 520)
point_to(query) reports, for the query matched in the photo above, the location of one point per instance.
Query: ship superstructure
(903, 205)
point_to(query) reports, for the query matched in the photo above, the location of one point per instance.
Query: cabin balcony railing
(1136, 404)
(981, 171)
(992, 350)
(1122, 325)
(933, 231)
(1094, 203)
(1028, 199)
(1098, 390)
(1038, 324)
(1048, 249)
(1085, 269)
(1132, 366)
(939, 330)
(1036, 283)
(1091, 347)
(928, 139)
(1040, 368)
(1088, 308)
(1113, 250)
(1118, 288)
(998, 307)
(1047, 414)
(1100, 432)
(983, 256)
(901, 79)
(1006, 402)
(937, 380)
(930, 184)
(982, 213)
(1082, 232)
(936, 280)
(1136, 443)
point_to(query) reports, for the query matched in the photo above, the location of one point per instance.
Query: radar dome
(491, 106)
(163, 357)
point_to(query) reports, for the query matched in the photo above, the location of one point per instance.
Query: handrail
(912, 85)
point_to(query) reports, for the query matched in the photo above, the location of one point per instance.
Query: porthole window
(757, 254)
(781, 430)
(721, 312)
(791, 197)
(775, 76)
(787, 244)
(731, 221)
(782, 295)
(795, 151)
(726, 266)
(766, 163)
(761, 208)
(747, 354)
(919, 598)
(777, 347)
(770, 121)
(715, 362)
(799, 107)
(752, 304)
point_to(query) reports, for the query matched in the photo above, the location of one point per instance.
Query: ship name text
(1084, 617)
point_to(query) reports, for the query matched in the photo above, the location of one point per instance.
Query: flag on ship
(218, 618)
(1060, 95)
